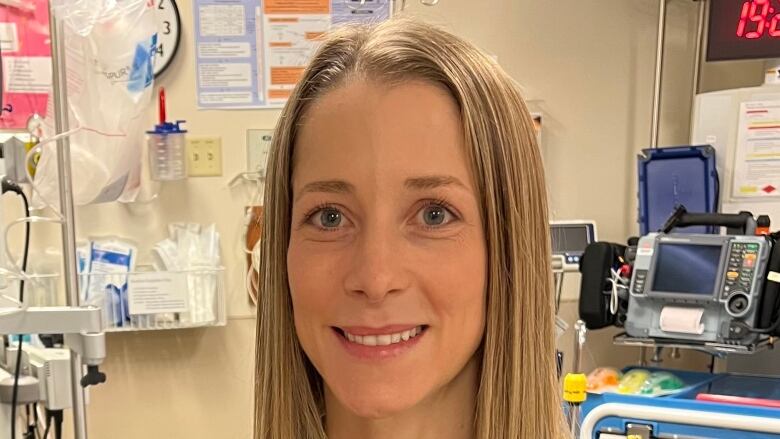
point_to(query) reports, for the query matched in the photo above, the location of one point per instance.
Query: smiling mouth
(382, 339)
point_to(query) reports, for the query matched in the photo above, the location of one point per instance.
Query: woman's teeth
(384, 339)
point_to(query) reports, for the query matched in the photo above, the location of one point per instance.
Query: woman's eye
(436, 215)
(329, 218)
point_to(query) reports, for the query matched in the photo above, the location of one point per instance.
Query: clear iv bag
(110, 46)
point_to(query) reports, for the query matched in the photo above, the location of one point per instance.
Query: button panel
(740, 268)
(640, 276)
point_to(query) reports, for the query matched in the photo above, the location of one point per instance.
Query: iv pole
(60, 96)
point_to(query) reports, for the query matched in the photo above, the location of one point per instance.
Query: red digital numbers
(754, 20)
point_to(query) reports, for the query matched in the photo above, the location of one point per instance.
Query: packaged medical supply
(603, 379)
(110, 260)
(194, 250)
(632, 381)
(82, 263)
(661, 383)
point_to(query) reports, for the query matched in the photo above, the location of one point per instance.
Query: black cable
(8, 185)
(58, 424)
(768, 330)
(49, 416)
(37, 421)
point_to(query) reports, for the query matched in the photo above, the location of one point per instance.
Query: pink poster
(25, 47)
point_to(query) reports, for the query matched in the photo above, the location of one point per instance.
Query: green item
(661, 383)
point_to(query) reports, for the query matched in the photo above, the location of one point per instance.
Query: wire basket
(151, 300)
(139, 300)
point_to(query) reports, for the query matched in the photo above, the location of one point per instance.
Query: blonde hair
(518, 392)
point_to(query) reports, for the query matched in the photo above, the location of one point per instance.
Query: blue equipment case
(611, 413)
(672, 176)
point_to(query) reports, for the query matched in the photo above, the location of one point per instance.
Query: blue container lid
(672, 176)
(168, 128)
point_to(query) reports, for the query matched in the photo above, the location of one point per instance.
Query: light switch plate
(204, 156)
(258, 145)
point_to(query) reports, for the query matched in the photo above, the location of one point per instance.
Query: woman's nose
(377, 265)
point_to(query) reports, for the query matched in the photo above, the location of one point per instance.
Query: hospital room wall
(586, 65)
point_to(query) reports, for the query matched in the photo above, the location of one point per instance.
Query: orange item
(603, 378)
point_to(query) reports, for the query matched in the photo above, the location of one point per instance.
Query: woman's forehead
(364, 131)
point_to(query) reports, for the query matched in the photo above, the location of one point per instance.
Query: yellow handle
(31, 167)
(575, 388)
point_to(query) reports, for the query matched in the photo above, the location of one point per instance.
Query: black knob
(738, 303)
(93, 377)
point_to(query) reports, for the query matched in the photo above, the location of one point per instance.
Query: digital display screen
(743, 29)
(686, 268)
(569, 238)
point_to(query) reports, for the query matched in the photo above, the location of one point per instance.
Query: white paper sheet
(757, 158)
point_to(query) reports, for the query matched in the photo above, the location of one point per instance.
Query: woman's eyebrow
(433, 182)
(328, 186)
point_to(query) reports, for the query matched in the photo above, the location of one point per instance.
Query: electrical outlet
(204, 156)
(258, 145)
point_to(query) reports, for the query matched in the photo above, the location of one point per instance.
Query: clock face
(168, 34)
(743, 29)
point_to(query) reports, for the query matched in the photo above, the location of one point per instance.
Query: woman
(405, 254)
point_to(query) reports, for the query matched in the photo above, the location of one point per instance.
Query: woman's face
(387, 258)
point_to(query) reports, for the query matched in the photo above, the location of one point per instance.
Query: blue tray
(696, 382)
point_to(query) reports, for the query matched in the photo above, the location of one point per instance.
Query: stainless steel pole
(580, 331)
(659, 68)
(60, 96)
(580, 335)
(699, 44)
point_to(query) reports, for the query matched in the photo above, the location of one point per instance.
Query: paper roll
(682, 320)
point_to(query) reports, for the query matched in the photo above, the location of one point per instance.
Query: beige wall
(586, 64)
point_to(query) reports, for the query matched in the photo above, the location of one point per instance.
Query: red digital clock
(743, 29)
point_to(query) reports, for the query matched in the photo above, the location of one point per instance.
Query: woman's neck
(448, 413)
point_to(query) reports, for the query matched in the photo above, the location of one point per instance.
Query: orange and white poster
(757, 156)
(277, 39)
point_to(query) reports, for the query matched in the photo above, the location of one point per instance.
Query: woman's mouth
(384, 339)
(379, 343)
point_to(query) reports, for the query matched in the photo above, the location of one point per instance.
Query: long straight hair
(518, 396)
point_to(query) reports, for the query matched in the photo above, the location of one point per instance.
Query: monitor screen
(686, 268)
(743, 29)
(569, 238)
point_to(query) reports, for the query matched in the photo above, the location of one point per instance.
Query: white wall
(586, 64)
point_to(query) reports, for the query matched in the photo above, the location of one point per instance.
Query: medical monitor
(569, 240)
(689, 269)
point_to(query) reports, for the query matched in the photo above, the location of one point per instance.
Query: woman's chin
(377, 403)
(378, 409)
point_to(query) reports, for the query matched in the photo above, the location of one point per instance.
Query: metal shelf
(717, 349)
